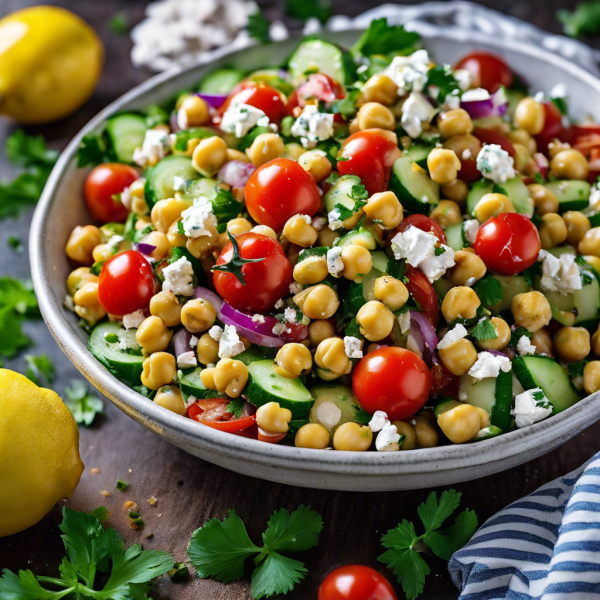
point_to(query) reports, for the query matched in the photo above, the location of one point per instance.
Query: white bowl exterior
(61, 208)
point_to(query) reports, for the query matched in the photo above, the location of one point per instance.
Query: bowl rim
(179, 429)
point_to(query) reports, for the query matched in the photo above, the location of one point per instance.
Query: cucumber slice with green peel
(191, 384)
(516, 190)
(195, 133)
(443, 405)
(202, 187)
(266, 385)
(273, 78)
(455, 236)
(160, 178)
(126, 132)
(126, 365)
(221, 81)
(334, 405)
(511, 286)
(255, 353)
(571, 194)
(359, 236)
(419, 153)
(380, 261)
(544, 372)
(491, 431)
(412, 185)
(341, 192)
(310, 252)
(318, 56)
(442, 286)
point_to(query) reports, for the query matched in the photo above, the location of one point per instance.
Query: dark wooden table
(189, 490)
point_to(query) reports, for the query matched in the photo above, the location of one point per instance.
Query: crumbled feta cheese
(126, 198)
(415, 111)
(489, 365)
(452, 101)
(334, 218)
(240, 118)
(378, 421)
(258, 318)
(419, 249)
(278, 31)
(495, 163)
(295, 288)
(187, 360)
(127, 341)
(230, 344)
(279, 303)
(197, 219)
(290, 315)
(352, 347)
(312, 126)
(471, 227)
(475, 95)
(68, 303)
(559, 274)
(404, 322)
(455, 334)
(469, 282)
(179, 183)
(215, 332)
(466, 155)
(530, 407)
(409, 73)
(559, 91)
(463, 78)
(134, 320)
(194, 341)
(279, 328)
(114, 241)
(387, 439)
(179, 277)
(335, 264)
(524, 346)
(153, 148)
(328, 414)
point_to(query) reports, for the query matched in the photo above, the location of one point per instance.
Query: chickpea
(459, 357)
(236, 155)
(552, 230)
(380, 88)
(312, 435)
(316, 163)
(591, 377)
(374, 115)
(229, 376)
(462, 423)
(153, 336)
(503, 336)
(357, 261)
(577, 226)
(570, 164)
(520, 136)
(454, 122)
(193, 112)
(491, 205)
(407, 430)
(87, 305)
(460, 302)
(531, 310)
(201, 246)
(327, 237)
(265, 230)
(521, 158)
(318, 302)
(593, 261)
(293, 360)
(331, 355)
(572, 343)
(544, 199)
(391, 291)
(446, 213)
(320, 330)
(293, 151)
(426, 435)
(556, 146)
(158, 369)
(209, 156)
(81, 244)
(169, 397)
(176, 239)
(311, 270)
(102, 252)
(198, 315)
(530, 115)
(352, 437)
(265, 147)
(443, 165)
(457, 191)
(384, 207)
(166, 307)
(238, 226)
(468, 268)
(161, 243)
(542, 341)
(459, 143)
(273, 418)
(166, 212)
(299, 230)
(78, 278)
(375, 320)
(590, 242)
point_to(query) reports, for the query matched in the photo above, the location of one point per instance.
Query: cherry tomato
(126, 283)
(213, 413)
(370, 156)
(508, 243)
(104, 182)
(265, 281)
(270, 438)
(320, 87)
(422, 291)
(488, 71)
(552, 127)
(279, 190)
(421, 222)
(356, 582)
(441, 378)
(394, 380)
(489, 136)
(259, 95)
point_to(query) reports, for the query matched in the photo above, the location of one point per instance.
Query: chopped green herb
(307, 9)
(439, 251)
(382, 38)
(93, 151)
(498, 189)
(121, 485)
(539, 178)
(225, 206)
(39, 368)
(84, 405)
(442, 77)
(119, 24)
(583, 20)
(347, 105)
(359, 192)
(17, 302)
(180, 228)
(258, 27)
(15, 244)
(362, 417)
(531, 272)
(236, 406)
(576, 368)
(484, 330)
(489, 290)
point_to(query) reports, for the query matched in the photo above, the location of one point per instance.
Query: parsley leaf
(530, 273)
(517, 334)
(442, 77)
(359, 192)
(306, 9)
(489, 290)
(347, 106)
(403, 544)
(236, 406)
(17, 301)
(538, 177)
(382, 38)
(584, 19)
(484, 330)
(29, 150)
(225, 206)
(119, 24)
(15, 243)
(258, 27)
(576, 368)
(82, 404)
(39, 367)
(439, 251)
(93, 151)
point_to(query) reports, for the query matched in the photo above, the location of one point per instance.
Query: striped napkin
(545, 546)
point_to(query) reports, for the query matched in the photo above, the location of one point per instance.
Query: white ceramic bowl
(62, 207)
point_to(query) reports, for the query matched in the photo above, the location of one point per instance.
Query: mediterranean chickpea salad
(361, 250)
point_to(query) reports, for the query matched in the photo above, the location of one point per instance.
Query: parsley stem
(263, 553)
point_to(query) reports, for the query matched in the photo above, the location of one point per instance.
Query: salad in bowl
(358, 251)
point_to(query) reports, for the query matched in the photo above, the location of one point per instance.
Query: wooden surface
(189, 491)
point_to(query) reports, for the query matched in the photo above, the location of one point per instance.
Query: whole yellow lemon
(50, 63)
(39, 452)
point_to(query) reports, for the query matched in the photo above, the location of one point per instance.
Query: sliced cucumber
(159, 179)
(221, 81)
(334, 405)
(123, 364)
(488, 432)
(442, 405)
(455, 236)
(191, 384)
(309, 252)
(202, 187)
(195, 133)
(126, 132)
(416, 191)
(516, 190)
(571, 194)
(419, 153)
(359, 236)
(273, 78)
(265, 385)
(544, 372)
(317, 55)
(380, 261)
(255, 353)
(511, 286)
(341, 193)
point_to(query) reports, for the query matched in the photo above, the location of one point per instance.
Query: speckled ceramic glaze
(61, 208)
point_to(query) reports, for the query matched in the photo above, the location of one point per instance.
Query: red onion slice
(213, 100)
(181, 342)
(214, 299)
(424, 336)
(236, 173)
(146, 248)
(479, 104)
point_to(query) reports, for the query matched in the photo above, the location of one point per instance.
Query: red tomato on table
(260, 95)
(126, 283)
(104, 182)
(213, 413)
(265, 281)
(279, 190)
(394, 380)
(356, 582)
(508, 244)
(488, 71)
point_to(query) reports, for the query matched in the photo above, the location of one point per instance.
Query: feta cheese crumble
(416, 110)
(404, 322)
(187, 360)
(524, 346)
(230, 344)
(194, 341)
(409, 73)
(495, 163)
(179, 278)
(279, 328)
(387, 434)
(312, 126)
(134, 320)
(334, 219)
(215, 332)
(559, 274)
(463, 78)
(179, 184)
(290, 315)
(489, 365)
(352, 347)
(335, 264)
(531, 406)
(198, 218)
(258, 318)
(378, 421)
(279, 303)
(470, 228)
(453, 336)
(594, 199)
(295, 288)
(240, 118)
(127, 341)
(466, 155)
(419, 249)
(153, 148)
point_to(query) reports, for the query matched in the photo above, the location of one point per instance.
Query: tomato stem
(236, 263)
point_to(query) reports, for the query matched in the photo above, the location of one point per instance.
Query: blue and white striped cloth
(545, 546)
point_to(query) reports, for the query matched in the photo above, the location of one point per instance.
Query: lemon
(39, 452)
(50, 62)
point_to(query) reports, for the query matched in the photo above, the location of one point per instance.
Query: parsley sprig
(489, 290)
(404, 545)
(83, 404)
(220, 549)
(585, 19)
(236, 263)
